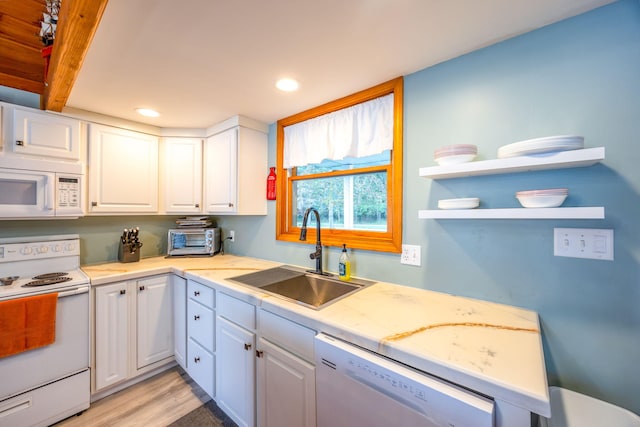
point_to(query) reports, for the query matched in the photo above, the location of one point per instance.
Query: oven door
(26, 193)
(69, 354)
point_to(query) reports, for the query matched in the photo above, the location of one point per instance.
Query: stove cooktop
(41, 264)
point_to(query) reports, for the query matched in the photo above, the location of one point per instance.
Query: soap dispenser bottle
(344, 265)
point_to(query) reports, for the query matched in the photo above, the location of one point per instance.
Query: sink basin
(302, 287)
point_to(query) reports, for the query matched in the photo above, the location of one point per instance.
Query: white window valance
(361, 130)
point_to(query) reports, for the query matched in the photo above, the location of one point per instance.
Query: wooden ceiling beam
(77, 23)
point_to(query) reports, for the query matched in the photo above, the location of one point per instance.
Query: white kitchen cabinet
(111, 334)
(36, 133)
(283, 377)
(123, 171)
(182, 175)
(179, 285)
(235, 359)
(154, 320)
(133, 329)
(235, 170)
(201, 321)
(235, 379)
(285, 373)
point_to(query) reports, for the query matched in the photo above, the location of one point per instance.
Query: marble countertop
(492, 348)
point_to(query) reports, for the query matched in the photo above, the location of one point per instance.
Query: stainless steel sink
(304, 288)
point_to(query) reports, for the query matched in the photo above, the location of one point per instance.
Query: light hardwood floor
(155, 402)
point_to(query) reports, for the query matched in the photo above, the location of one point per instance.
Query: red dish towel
(27, 323)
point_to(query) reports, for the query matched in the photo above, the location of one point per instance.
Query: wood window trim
(389, 241)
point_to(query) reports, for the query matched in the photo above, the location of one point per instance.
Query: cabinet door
(182, 175)
(45, 134)
(180, 320)
(123, 171)
(235, 371)
(221, 159)
(112, 334)
(283, 377)
(154, 320)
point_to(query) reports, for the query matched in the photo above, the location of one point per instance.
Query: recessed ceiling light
(147, 112)
(287, 85)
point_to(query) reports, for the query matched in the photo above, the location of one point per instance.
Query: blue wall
(580, 76)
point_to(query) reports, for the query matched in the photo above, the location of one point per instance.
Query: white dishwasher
(356, 387)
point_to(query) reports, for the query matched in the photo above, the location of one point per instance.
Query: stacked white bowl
(452, 154)
(550, 198)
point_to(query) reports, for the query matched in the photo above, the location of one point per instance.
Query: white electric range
(44, 385)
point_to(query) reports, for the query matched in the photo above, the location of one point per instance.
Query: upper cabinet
(35, 133)
(181, 178)
(235, 168)
(123, 171)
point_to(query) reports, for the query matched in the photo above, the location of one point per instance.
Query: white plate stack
(453, 154)
(463, 203)
(550, 198)
(549, 144)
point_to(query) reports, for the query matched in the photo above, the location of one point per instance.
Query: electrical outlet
(232, 235)
(410, 255)
(583, 243)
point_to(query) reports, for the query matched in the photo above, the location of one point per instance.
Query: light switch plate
(589, 243)
(410, 255)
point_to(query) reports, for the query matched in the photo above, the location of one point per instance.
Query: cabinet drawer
(201, 325)
(201, 293)
(200, 366)
(292, 336)
(240, 312)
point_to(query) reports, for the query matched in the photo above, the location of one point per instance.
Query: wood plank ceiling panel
(21, 63)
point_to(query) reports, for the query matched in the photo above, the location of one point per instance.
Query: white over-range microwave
(34, 189)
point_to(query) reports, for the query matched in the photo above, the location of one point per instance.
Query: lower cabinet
(286, 388)
(235, 382)
(201, 336)
(179, 285)
(286, 385)
(133, 329)
(235, 359)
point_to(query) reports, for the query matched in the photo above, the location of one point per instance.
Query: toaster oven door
(190, 242)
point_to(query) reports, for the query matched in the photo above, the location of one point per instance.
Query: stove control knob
(58, 248)
(69, 247)
(43, 249)
(26, 250)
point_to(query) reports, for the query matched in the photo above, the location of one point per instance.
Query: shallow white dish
(462, 203)
(454, 159)
(541, 201)
(547, 144)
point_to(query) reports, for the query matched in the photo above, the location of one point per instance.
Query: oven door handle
(76, 291)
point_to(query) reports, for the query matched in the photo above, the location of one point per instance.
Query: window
(359, 198)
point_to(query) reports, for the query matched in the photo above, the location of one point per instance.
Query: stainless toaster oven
(193, 242)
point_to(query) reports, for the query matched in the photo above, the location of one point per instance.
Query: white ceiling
(199, 62)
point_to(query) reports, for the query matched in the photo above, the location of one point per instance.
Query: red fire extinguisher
(271, 184)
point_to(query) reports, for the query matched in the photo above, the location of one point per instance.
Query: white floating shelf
(559, 160)
(515, 213)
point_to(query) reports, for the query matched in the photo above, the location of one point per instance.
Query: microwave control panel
(68, 193)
